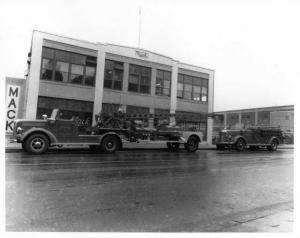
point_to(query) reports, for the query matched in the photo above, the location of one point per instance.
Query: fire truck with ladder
(108, 134)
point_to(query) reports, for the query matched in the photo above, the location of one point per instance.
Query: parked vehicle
(288, 137)
(36, 136)
(252, 138)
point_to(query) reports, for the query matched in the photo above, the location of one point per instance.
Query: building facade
(277, 116)
(84, 78)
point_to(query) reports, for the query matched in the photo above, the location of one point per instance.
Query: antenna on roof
(140, 22)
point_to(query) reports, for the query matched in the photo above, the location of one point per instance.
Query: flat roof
(274, 108)
(123, 46)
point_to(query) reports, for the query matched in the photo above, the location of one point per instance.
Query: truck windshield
(54, 113)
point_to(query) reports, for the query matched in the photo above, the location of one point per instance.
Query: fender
(51, 136)
(239, 137)
(187, 134)
(274, 137)
(110, 133)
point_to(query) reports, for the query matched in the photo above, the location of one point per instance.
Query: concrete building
(83, 78)
(282, 116)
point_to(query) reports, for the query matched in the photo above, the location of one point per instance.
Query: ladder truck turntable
(109, 134)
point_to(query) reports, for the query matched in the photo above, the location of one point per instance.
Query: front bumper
(13, 141)
(16, 139)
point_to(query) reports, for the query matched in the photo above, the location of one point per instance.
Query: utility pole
(140, 23)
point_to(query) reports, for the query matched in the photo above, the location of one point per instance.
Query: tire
(240, 145)
(110, 144)
(192, 144)
(36, 144)
(273, 146)
(173, 146)
(220, 147)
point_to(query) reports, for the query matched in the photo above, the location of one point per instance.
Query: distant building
(83, 78)
(282, 116)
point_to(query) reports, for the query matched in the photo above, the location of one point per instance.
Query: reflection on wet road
(142, 190)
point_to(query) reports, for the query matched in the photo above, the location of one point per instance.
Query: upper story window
(68, 67)
(113, 74)
(163, 83)
(139, 79)
(192, 88)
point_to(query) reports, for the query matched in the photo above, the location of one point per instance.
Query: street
(147, 190)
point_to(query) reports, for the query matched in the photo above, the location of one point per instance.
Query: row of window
(188, 87)
(75, 68)
(192, 88)
(68, 67)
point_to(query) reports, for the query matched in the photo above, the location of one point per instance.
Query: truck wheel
(192, 144)
(173, 146)
(273, 146)
(36, 144)
(240, 145)
(110, 144)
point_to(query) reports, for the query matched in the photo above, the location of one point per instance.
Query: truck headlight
(19, 130)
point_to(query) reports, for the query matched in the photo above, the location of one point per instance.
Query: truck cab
(37, 135)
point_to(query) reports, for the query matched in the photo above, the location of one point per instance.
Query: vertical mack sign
(12, 106)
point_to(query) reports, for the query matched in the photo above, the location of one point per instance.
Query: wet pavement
(150, 190)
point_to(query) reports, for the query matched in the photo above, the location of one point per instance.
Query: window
(113, 74)
(61, 71)
(188, 87)
(139, 79)
(68, 67)
(76, 74)
(133, 84)
(192, 88)
(90, 73)
(197, 93)
(180, 86)
(196, 89)
(110, 108)
(204, 90)
(47, 69)
(90, 70)
(163, 83)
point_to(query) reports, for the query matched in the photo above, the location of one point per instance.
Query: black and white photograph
(147, 117)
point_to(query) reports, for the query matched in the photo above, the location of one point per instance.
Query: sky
(253, 46)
